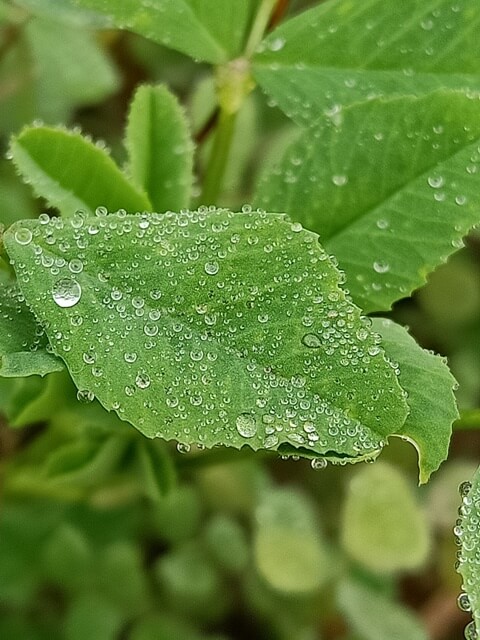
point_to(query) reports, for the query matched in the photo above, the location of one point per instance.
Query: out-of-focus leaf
(155, 468)
(383, 527)
(374, 617)
(176, 517)
(72, 173)
(160, 148)
(203, 29)
(189, 339)
(289, 552)
(340, 52)
(429, 384)
(92, 616)
(442, 504)
(391, 186)
(227, 542)
(67, 558)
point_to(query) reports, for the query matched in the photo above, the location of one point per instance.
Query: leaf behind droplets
(341, 52)
(429, 384)
(467, 532)
(72, 173)
(23, 343)
(391, 202)
(160, 148)
(212, 327)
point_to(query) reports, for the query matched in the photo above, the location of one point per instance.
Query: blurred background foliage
(105, 535)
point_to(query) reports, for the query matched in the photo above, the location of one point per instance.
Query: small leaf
(212, 327)
(289, 552)
(160, 148)
(156, 469)
(206, 30)
(383, 527)
(23, 343)
(429, 384)
(374, 617)
(227, 542)
(340, 52)
(72, 173)
(94, 617)
(391, 186)
(467, 534)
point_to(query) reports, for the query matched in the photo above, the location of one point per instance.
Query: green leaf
(383, 527)
(155, 468)
(92, 616)
(206, 30)
(429, 384)
(160, 148)
(227, 543)
(341, 52)
(467, 537)
(391, 186)
(23, 343)
(289, 552)
(66, 11)
(64, 80)
(374, 617)
(211, 327)
(72, 173)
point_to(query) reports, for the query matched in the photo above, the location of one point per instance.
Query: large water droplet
(311, 340)
(23, 236)
(246, 425)
(66, 292)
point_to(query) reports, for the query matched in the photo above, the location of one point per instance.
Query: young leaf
(289, 552)
(374, 617)
(429, 384)
(383, 527)
(391, 186)
(468, 539)
(23, 343)
(206, 30)
(72, 173)
(211, 327)
(341, 52)
(160, 148)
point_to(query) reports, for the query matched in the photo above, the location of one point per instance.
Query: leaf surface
(468, 539)
(341, 52)
(429, 384)
(391, 186)
(211, 327)
(72, 173)
(206, 30)
(23, 343)
(160, 148)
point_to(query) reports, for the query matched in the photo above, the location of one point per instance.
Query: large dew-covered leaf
(23, 343)
(211, 327)
(391, 186)
(341, 52)
(72, 173)
(206, 30)
(468, 537)
(429, 384)
(160, 148)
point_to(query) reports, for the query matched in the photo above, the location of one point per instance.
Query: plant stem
(218, 159)
(259, 26)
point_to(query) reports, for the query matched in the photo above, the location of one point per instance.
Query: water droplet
(381, 267)
(66, 292)
(130, 357)
(383, 224)
(339, 180)
(464, 489)
(311, 340)
(183, 447)
(464, 602)
(470, 632)
(84, 395)
(318, 463)
(211, 268)
(75, 265)
(142, 380)
(23, 236)
(436, 181)
(277, 44)
(246, 425)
